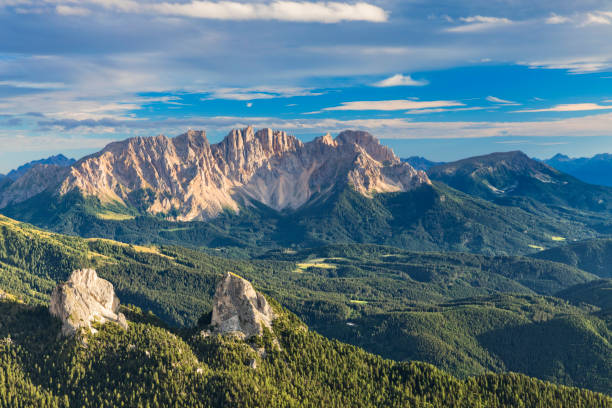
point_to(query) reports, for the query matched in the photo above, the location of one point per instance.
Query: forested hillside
(593, 255)
(148, 365)
(429, 218)
(447, 309)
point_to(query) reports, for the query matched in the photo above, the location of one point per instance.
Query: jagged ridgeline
(468, 314)
(257, 190)
(223, 363)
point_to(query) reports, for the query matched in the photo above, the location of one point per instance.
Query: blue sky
(443, 79)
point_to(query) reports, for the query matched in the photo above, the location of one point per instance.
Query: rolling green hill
(593, 255)
(597, 293)
(446, 309)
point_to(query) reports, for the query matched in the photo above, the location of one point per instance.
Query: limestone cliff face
(42, 177)
(83, 299)
(238, 309)
(190, 178)
(354, 158)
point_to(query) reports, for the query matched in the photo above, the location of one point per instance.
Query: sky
(437, 78)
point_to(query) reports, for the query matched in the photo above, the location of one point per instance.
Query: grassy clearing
(358, 302)
(113, 216)
(315, 263)
(556, 238)
(539, 248)
(176, 229)
(321, 265)
(139, 248)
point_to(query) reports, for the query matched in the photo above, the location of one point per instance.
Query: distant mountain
(594, 170)
(59, 160)
(421, 163)
(506, 178)
(188, 178)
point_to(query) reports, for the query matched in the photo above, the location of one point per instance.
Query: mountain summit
(191, 179)
(501, 177)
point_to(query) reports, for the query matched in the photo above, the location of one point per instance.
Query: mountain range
(511, 176)
(593, 170)
(192, 179)
(421, 163)
(480, 267)
(58, 160)
(257, 190)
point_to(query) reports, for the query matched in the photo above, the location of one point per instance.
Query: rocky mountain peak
(327, 140)
(58, 160)
(238, 309)
(194, 138)
(84, 299)
(560, 157)
(188, 177)
(369, 143)
(277, 141)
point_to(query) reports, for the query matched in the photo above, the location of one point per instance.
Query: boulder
(238, 309)
(83, 299)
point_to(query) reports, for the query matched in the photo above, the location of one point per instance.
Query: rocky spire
(238, 309)
(83, 299)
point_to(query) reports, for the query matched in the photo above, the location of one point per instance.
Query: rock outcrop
(238, 309)
(83, 299)
(193, 180)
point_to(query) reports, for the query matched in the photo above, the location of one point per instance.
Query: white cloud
(592, 125)
(119, 5)
(598, 18)
(19, 142)
(575, 65)
(71, 11)
(249, 105)
(279, 10)
(32, 85)
(400, 80)
(571, 107)
(557, 19)
(397, 128)
(15, 2)
(440, 110)
(261, 92)
(392, 105)
(479, 23)
(495, 99)
(296, 11)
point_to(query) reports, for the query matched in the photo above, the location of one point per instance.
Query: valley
(462, 273)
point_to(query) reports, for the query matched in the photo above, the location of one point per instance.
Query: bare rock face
(191, 179)
(83, 299)
(238, 309)
(39, 178)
